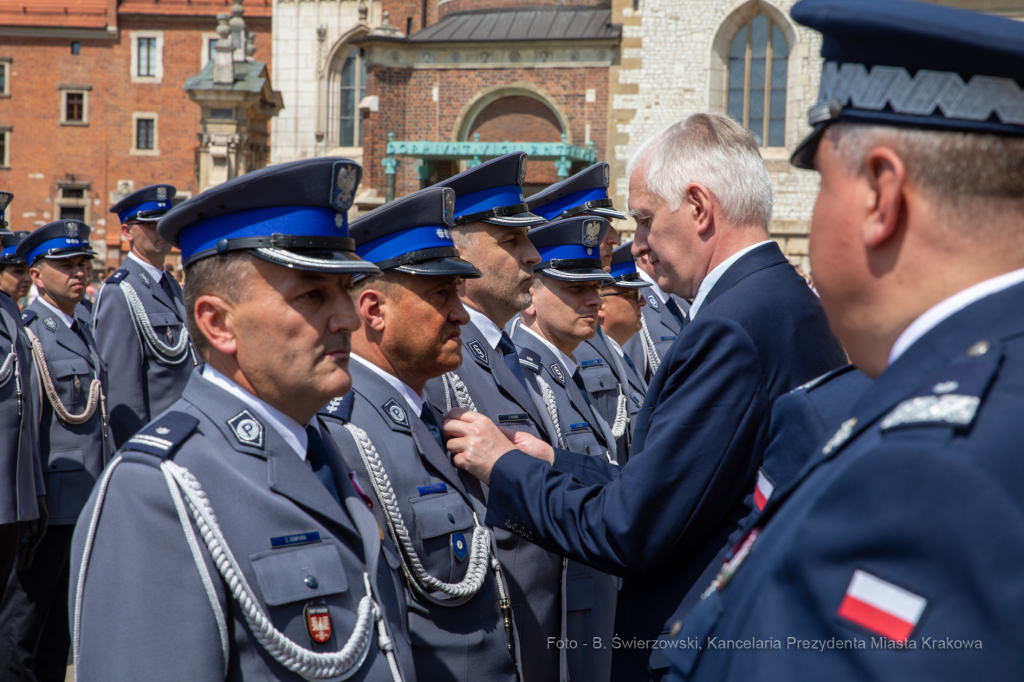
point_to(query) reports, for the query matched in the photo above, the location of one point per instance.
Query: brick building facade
(92, 104)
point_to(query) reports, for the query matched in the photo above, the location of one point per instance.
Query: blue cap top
(10, 241)
(413, 234)
(624, 268)
(901, 63)
(570, 249)
(293, 214)
(145, 205)
(493, 192)
(59, 239)
(586, 193)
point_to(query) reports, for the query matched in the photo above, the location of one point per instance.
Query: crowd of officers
(471, 436)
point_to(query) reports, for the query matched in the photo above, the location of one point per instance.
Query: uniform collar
(491, 331)
(64, 317)
(414, 399)
(712, 277)
(662, 296)
(290, 430)
(614, 345)
(955, 303)
(156, 273)
(569, 361)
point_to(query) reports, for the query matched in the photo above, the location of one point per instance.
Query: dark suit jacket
(699, 440)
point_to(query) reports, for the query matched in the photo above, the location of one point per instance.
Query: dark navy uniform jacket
(664, 328)
(145, 612)
(21, 475)
(699, 439)
(143, 385)
(606, 376)
(908, 522)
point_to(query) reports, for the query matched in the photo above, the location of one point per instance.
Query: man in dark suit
(756, 332)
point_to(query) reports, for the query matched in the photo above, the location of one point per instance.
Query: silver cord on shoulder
(462, 396)
(649, 349)
(549, 402)
(621, 416)
(10, 364)
(162, 352)
(95, 392)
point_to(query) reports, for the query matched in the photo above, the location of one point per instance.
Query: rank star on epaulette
(247, 429)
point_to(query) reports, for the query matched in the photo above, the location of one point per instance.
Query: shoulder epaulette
(117, 277)
(163, 435)
(824, 378)
(529, 359)
(27, 316)
(339, 408)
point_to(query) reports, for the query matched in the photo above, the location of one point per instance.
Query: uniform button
(676, 627)
(588, 449)
(451, 518)
(602, 383)
(311, 582)
(978, 349)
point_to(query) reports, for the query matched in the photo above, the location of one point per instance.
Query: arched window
(758, 61)
(353, 89)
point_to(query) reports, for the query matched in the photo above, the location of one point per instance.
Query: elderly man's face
(293, 335)
(667, 238)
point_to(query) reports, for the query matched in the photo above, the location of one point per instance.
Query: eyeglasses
(629, 293)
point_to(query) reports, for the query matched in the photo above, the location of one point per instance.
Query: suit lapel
(764, 256)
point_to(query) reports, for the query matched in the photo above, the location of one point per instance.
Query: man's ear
(886, 176)
(214, 318)
(126, 232)
(699, 202)
(372, 306)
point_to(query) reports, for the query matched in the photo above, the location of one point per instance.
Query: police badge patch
(343, 190)
(556, 370)
(459, 548)
(247, 429)
(318, 622)
(396, 413)
(479, 352)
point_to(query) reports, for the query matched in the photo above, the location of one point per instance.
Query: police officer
(491, 232)
(564, 313)
(898, 544)
(610, 375)
(663, 318)
(14, 278)
(226, 539)
(459, 613)
(140, 320)
(23, 513)
(74, 445)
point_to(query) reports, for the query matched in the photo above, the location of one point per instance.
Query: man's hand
(533, 446)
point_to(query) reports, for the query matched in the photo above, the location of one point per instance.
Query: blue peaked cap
(570, 249)
(624, 268)
(59, 239)
(146, 205)
(586, 192)
(493, 192)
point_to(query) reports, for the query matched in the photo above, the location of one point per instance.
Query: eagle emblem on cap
(5, 198)
(343, 189)
(522, 169)
(607, 176)
(448, 197)
(70, 229)
(161, 194)
(591, 233)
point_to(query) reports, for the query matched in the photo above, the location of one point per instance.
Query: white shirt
(491, 332)
(954, 304)
(414, 399)
(654, 285)
(293, 433)
(60, 313)
(154, 272)
(615, 346)
(568, 360)
(712, 277)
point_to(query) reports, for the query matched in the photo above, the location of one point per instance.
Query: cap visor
(633, 284)
(803, 157)
(441, 267)
(578, 275)
(70, 253)
(518, 220)
(315, 261)
(606, 213)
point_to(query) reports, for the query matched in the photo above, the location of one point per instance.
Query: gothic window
(758, 61)
(353, 89)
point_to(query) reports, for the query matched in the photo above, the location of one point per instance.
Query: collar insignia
(247, 429)
(332, 406)
(952, 409)
(145, 278)
(396, 413)
(478, 351)
(653, 301)
(50, 324)
(840, 437)
(556, 370)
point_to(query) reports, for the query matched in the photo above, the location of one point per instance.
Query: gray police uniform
(303, 555)
(590, 597)
(661, 327)
(143, 339)
(438, 505)
(608, 376)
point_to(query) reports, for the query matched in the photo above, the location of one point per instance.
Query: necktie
(673, 308)
(578, 380)
(169, 289)
(629, 362)
(427, 417)
(316, 455)
(511, 357)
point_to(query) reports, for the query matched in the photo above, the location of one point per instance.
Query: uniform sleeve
(145, 613)
(691, 471)
(586, 469)
(121, 352)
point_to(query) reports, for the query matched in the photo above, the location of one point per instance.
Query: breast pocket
(599, 378)
(167, 327)
(441, 523)
(579, 438)
(71, 377)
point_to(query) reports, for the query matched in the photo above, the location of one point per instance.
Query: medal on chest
(317, 618)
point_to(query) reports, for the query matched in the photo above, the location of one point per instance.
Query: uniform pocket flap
(164, 319)
(66, 460)
(579, 593)
(599, 378)
(299, 574)
(62, 369)
(441, 514)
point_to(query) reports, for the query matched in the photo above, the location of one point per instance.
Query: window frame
(82, 203)
(5, 152)
(359, 91)
(204, 49)
(748, 29)
(66, 90)
(5, 88)
(158, 67)
(145, 115)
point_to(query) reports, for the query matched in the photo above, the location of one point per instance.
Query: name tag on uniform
(513, 417)
(579, 427)
(297, 539)
(431, 489)
(668, 338)
(592, 363)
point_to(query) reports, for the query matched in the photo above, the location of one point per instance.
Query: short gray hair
(716, 152)
(223, 275)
